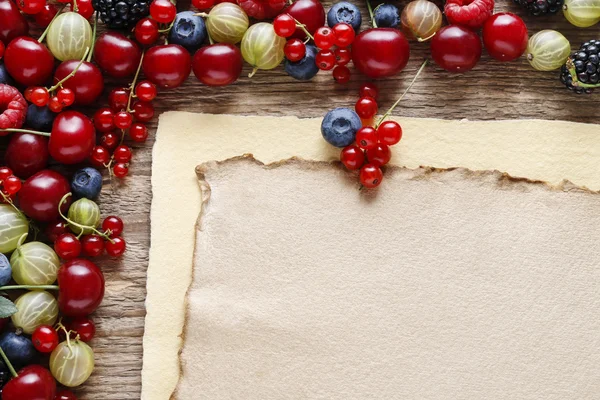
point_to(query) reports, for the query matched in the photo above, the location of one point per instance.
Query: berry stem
(9, 201)
(253, 72)
(94, 31)
(8, 364)
(47, 134)
(303, 27)
(371, 14)
(75, 8)
(391, 109)
(167, 29)
(72, 73)
(29, 287)
(41, 38)
(80, 226)
(133, 83)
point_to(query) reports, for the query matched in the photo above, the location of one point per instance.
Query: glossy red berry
(27, 154)
(83, 327)
(369, 90)
(1, 49)
(341, 74)
(44, 339)
(12, 185)
(117, 99)
(203, 4)
(456, 48)
(342, 56)
(294, 50)
(163, 11)
(117, 55)
(143, 111)
(146, 31)
(380, 52)
(65, 395)
(115, 247)
(54, 105)
(92, 245)
(167, 66)
(366, 107)
(41, 195)
(73, 137)
(113, 224)
(344, 34)
(28, 61)
(324, 38)
(325, 60)
(353, 157)
(85, 8)
(44, 17)
(66, 97)
(505, 36)
(308, 12)
(389, 132)
(39, 96)
(379, 155)
(81, 288)
(138, 132)
(284, 25)
(31, 7)
(370, 176)
(145, 91)
(122, 154)
(120, 170)
(87, 84)
(32, 382)
(110, 140)
(123, 120)
(100, 156)
(55, 229)
(219, 64)
(5, 172)
(67, 246)
(366, 137)
(104, 120)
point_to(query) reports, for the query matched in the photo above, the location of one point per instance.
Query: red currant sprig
(341, 37)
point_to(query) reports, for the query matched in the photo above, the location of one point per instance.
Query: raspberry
(468, 13)
(14, 106)
(262, 9)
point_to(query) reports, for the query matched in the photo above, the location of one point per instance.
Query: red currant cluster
(147, 30)
(69, 246)
(40, 96)
(10, 184)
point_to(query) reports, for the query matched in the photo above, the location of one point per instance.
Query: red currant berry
(294, 50)
(85, 8)
(44, 339)
(143, 111)
(341, 74)
(203, 4)
(92, 245)
(366, 107)
(44, 17)
(120, 170)
(100, 156)
(369, 90)
(145, 91)
(353, 157)
(12, 185)
(65, 395)
(109, 140)
(366, 137)
(56, 229)
(114, 225)
(123, 120)
(370, 176)
(118, 99)
(122, 154)
(342, 56)
(138, 132)
(389, 132)
(54, 105)
(27, 93)
(146, 31)
(163, 11)
(5, 172)
(115, 247)
(83, 326)
(40, 96)
(104, 120)
(325, 60)
(379, 155)
(67, 246)
(344, 34)
(324, 38)
(31, 7)
(284, 25)
(66, 97)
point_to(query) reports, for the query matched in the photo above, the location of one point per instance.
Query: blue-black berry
(344, 12)
(339, 127)
(87, 182)
(305, 69)
(189, 30)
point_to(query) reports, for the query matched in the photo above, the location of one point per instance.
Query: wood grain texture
(492, 90)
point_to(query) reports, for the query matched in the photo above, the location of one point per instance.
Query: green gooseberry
(34, 263)
(13, 225)
(227, 23)
(262, 48)
(69, 36)
(35, 308)
(72, 363)
(86, 213)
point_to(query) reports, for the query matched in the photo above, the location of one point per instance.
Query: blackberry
(541, 7)
(586, 63)
(121, 14)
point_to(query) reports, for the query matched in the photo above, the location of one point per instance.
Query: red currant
(66, 97)
(85, 8)
(366, 107)
(143, 111)
(146, 31)
(294, 50)
(203, 4)
(5, 172)
(56, 229)
(284, 25)
(369, 90)
(324, 38)
(122, 154)
(118, 98)
(325, 60)
(342, 56)
(389, 132)
(123, 120)
(120, 170)
(341, 74)
(379, 155)
(353, 157)
(44, 339)
(104, 120)
(370, 176)
(138, 132)
(92, 245)
(65, 395)
(31, 7)
(366, 137)
(100, 156)
(27, 93)
(163, 11)
(109, 140)
(113, 224)
(115, 247)
(40, 96)
(54, 105)
(344, 34)
(44, 17)
(12, 185)
(145, 91)
(84, 326)
(67, 246)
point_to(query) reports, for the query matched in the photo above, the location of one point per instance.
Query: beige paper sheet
(445, 285)
(550, 151)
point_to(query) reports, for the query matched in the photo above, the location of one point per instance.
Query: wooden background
(493, 90)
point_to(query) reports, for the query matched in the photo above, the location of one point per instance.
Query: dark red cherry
(73, 137)
(33, 382)
(12, 23)
(26, 154)
(81, 288)
(308, 12)
(218, 64)
(117, 55)
(41, 194)
(87, 83)
(167, 66)
(28, 61)
(455, 48)
(380, 52)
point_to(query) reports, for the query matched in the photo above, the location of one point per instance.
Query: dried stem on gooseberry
(80, 226)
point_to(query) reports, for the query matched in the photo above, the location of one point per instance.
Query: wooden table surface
(493, 90)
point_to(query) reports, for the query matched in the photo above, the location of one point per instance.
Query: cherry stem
(29, 287)
(80, 226)
(8, 364)
(133, 83)
(41, 38)
(72, 73)
(168, 29)
(371, 14)
(95, 29)
(47, 134)
(303, 27)
(391, 109)
(576, 81)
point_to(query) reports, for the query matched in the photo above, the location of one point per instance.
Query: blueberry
(5, 270)
(40, 118)
(305, 69)
(188, 30)
(339, 127)
(387, 16)
(344, 12)
(87, 182)
(4, 76)
(18, 349)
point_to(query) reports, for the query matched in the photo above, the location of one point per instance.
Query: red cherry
(325, 60)
(203, 4)
(67, 246)
(294, 50)
(41, 193)
(504, 36)
(81, 288)
(85, 8)
(33, 382)
(344, 34)
(366, 107)
(118, 99)
(366, 137)
(352, 157)
(262, 9)
(167, 66)
(65, 395)
(104, 120)
(87, 83)
(117, 55)
(114, 225)
(28, 61)
(27, 154)
(370, 176)
(341, 74)
(110, 140)
(92, 245)
(44, 339)
(143, 111)
(84, 326)
(389, 132)
(342, 56)
(379, 154)
(145, 91)
(163, 11)
(123, 120)
(44, 17)
(12, 22)
(100, 156)
(55, 229)
(284, 25)
(2, 48)
(369, 89)
(380, 52)
(138, 132)
(219, 64)
(308, 12)
(120, 170)
(116, 248)
(146, 31)
(455, 48)
(72, 138)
